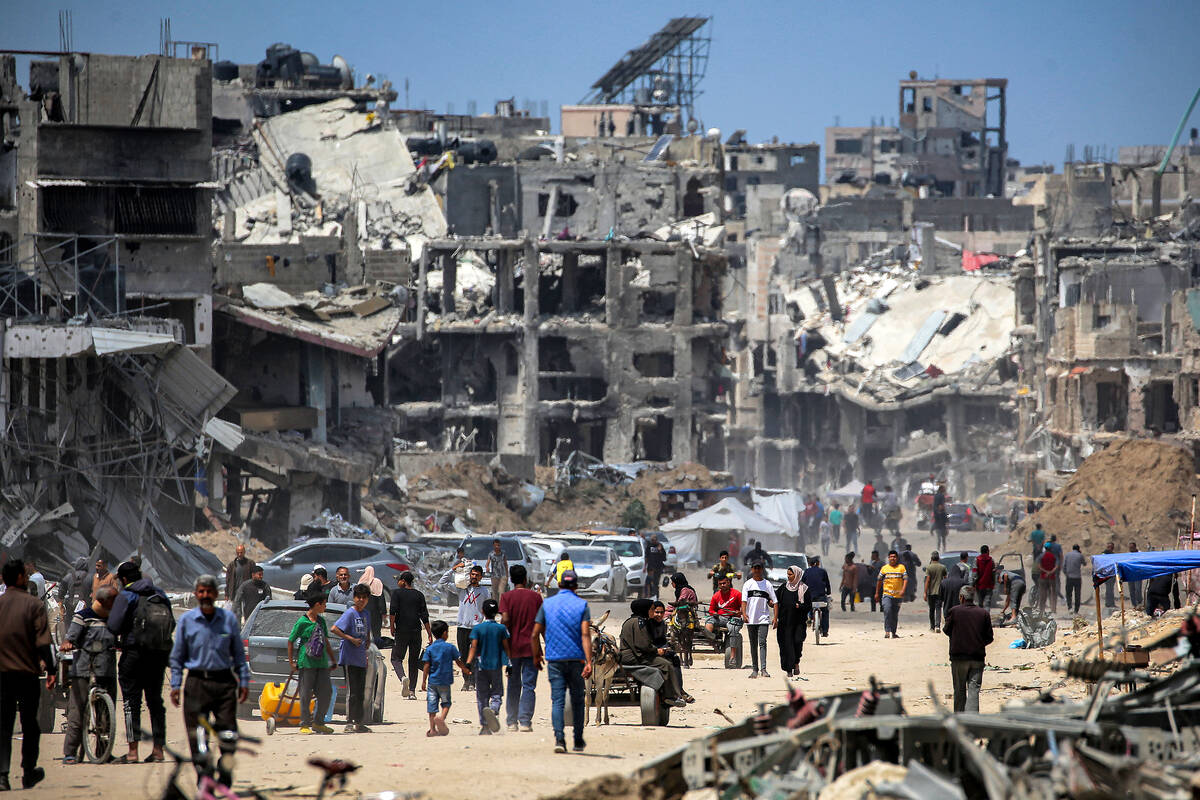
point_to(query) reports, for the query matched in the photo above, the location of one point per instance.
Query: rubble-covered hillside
(1134, 490)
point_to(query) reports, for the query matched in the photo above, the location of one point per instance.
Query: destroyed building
(108, 400)
(951, 139)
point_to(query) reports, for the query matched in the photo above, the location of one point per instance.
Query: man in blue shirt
(565, 621)
(354, 629)
(489, 641)
(208, 645)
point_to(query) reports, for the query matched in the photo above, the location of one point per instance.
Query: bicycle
(208, 787)
(817, 607)
(98, 717)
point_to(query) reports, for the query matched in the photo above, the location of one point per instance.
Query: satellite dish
(797, 204)
(692, 126)
(343, 67)
(713, 133)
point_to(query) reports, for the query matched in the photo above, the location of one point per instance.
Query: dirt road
(399, 757)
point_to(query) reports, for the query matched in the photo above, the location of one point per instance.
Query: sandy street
(398, 756)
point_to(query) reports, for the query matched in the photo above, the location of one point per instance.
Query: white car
(632, 552)
(780, 563)
(600, 572)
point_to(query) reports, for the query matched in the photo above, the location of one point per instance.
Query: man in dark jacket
(952, 584)
(758, 554)
(970, 630)
(1160, 591)
(656, 560)
(143, 664)
(237, 572)
(24, 653)
(819, 588)
(251, 593)
(95, 656)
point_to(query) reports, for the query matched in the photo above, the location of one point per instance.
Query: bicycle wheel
(816, 627)
(100, 727)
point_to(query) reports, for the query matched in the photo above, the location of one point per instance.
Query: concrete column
(612, 285)
(422, 286)
(684, 294)
(449, 279)
(570, 283)
(233, 498)
(683, 446)
(505, 290)
(315, 386)
(216, 479)
(529, 357)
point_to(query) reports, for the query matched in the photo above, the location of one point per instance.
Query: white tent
(850, 493)
(781, 506)
(719, 521)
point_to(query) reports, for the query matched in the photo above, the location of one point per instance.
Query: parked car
(632, 552)
(476, 550)
(600, 572)
(265, 636)
(285, 568)
(780, 561)
(965, 517)
(544, 554)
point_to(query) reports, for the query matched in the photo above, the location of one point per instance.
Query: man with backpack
(142, 620)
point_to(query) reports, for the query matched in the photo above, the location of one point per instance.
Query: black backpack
(153, 623)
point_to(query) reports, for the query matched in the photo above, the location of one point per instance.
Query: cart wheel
(733, 651)
(100, 727)
(650, 706)
(270, 726)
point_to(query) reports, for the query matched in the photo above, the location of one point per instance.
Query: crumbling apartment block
(105, 290)
(533, 349)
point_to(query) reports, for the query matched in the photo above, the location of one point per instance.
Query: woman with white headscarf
(794, 605)
(376, 606)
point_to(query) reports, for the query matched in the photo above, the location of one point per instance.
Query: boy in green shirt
(310, 652)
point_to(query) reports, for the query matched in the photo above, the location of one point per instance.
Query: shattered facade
(108, 400)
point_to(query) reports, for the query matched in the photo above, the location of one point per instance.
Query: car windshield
(279, 621)
(478, 549)
(593, 555)
(625, 549)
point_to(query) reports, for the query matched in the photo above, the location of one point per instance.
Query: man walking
(470, 614)
(873, 567)
(1037, 539)
(565, 621)
(951, 585)
(208, 645)
(941, 518)
(819, 589)
(656, 560)
(910, 561)
(1073, 570)
(970, 630)
(757, 613)
(1048, 581)
(889, 592)
(409, 614)
(1135, 587)
(143, 623)
(850, 523)
(237, 572)
(835, 521)
(252, 592)
(518, 609)
(935, 573)
(24, 653)
(1110, 601)
(497, 564)
(867, 506)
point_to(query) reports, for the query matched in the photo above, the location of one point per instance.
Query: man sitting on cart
(725, 608)
(94, 655)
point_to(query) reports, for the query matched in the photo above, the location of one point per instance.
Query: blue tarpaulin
(1142, 566)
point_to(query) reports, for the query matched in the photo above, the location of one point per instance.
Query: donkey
(604, 669)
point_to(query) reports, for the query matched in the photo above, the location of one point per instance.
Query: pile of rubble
(1133, 490)
(1139, 743)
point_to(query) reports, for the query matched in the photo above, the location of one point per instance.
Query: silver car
(265, 636)
(632, 552)
(600, 572)
(285, 569)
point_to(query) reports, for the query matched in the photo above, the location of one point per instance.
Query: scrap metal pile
(1143, 743)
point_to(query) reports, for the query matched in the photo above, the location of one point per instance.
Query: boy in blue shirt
(354, 629)
(489, 641)
(437, 676)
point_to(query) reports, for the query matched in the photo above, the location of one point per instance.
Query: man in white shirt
(758, 610)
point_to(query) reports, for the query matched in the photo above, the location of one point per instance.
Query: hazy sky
(1104, 72)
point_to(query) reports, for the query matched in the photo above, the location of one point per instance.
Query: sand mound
(1134, 490)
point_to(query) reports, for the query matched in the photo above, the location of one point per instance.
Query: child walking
(489, 642)
(437, 675)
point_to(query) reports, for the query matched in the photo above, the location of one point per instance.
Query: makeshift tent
(1142, 566)
(781, 506)
(707, 531)
(850, 493)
